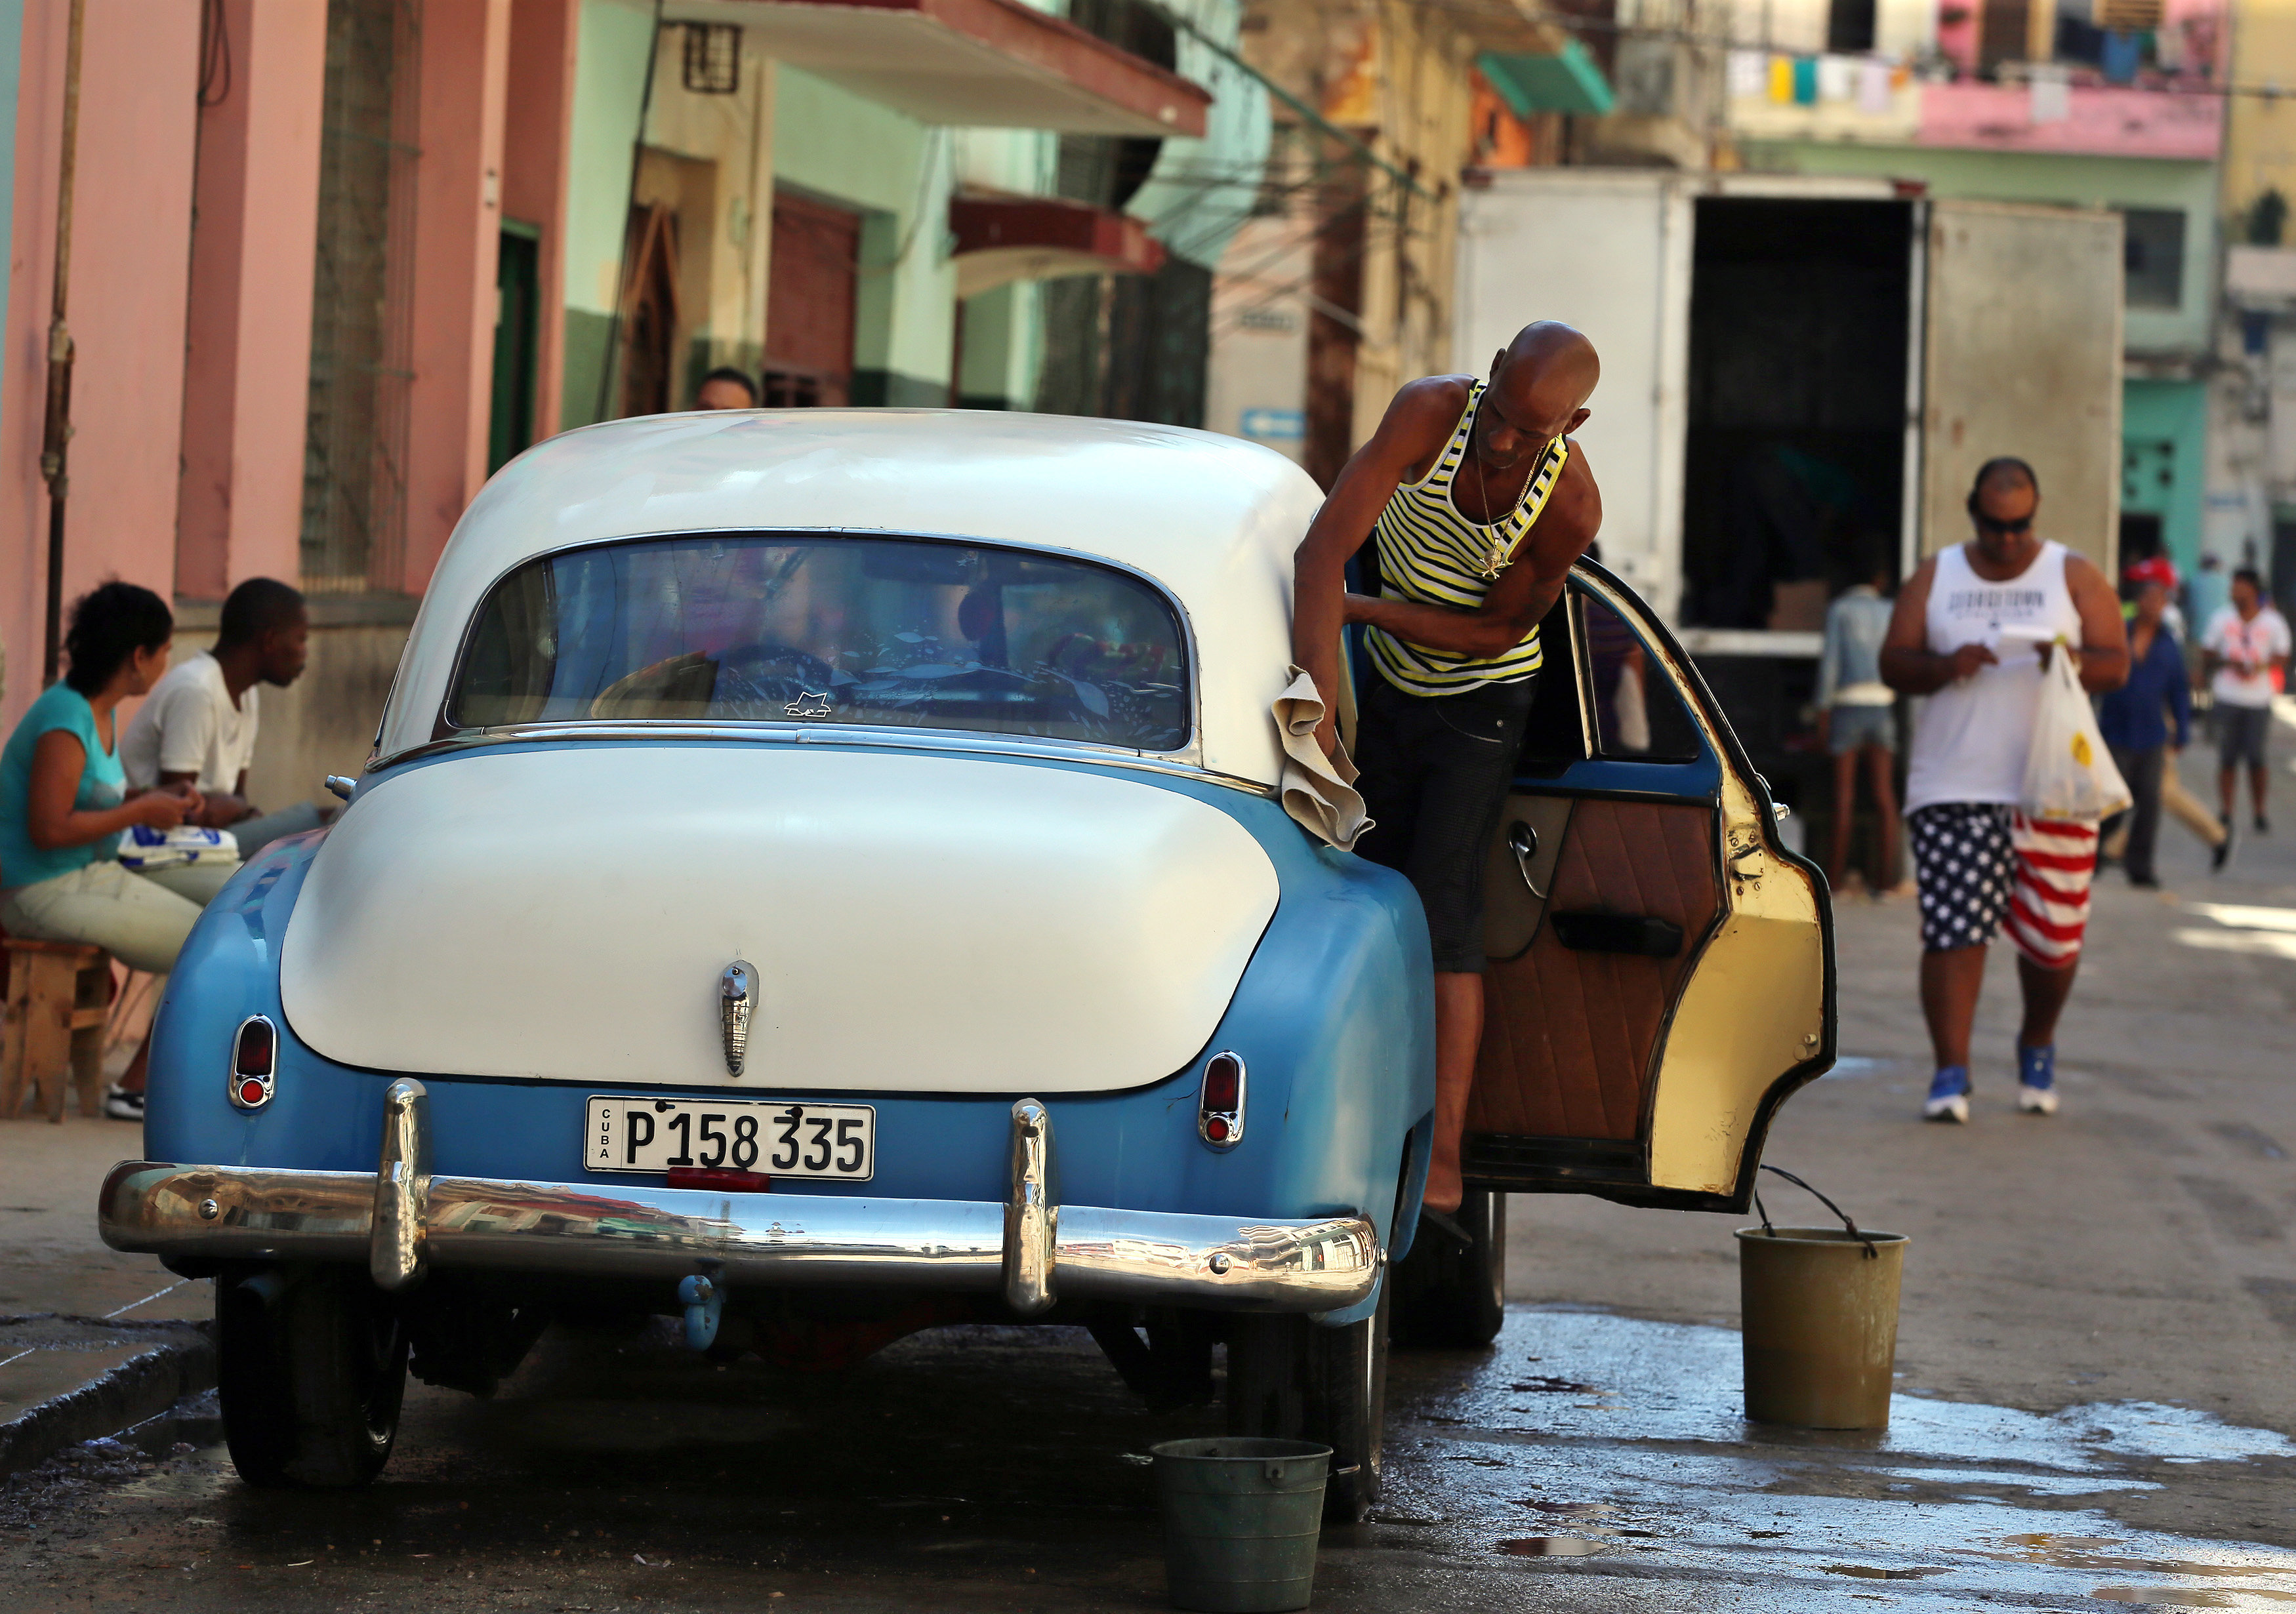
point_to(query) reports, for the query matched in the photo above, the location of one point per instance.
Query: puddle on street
(1972, 1502)
(2185, 1597)
(1551, 1546)
(1866, 1571)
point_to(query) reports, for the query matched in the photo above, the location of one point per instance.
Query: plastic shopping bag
(143, 847)
(2068, 774)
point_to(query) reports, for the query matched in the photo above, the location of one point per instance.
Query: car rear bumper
(400, 1220)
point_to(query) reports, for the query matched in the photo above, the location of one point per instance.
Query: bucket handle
(1872, 1254)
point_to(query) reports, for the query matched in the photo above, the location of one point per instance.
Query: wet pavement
(1586, 1462)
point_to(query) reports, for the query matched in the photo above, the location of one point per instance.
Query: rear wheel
(1294, 1380)
(1452, 1294)
(311, 1367)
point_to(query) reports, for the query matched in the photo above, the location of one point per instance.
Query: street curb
(142, 1386)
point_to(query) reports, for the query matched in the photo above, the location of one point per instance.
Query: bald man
(1479, 502)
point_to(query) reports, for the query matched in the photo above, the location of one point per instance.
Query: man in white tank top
(1972, 630)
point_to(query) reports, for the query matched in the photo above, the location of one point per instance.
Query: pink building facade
(194, 226)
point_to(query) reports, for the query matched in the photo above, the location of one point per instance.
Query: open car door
(1662, 970)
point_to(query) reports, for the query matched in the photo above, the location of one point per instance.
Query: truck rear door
(2022, 356)
(1609, 253)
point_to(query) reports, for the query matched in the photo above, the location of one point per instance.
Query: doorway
(810, 304)
(518, 307)
(1793, 481)
(650, 322)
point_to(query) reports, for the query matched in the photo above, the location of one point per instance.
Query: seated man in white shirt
(197, 724)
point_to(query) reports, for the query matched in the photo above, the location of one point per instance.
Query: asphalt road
(2093, 1360)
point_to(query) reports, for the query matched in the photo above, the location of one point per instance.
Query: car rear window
(771, 628)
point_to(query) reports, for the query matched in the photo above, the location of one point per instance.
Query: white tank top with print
(1970, 739)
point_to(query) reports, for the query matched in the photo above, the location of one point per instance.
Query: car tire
(310, 1370)
(1452, 1295)
(1290, 1379)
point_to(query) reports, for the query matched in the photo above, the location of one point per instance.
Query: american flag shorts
(1984, 866)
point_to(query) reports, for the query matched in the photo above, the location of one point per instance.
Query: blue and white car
(824, 870)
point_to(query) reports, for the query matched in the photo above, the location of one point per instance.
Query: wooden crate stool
(58, 995)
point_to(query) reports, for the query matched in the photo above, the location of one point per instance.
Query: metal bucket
(1241, 1521)
(1819, 1307)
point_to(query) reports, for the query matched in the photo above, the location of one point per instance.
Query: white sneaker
(1949, 1098)
(2037, 1100)
(121, 1105)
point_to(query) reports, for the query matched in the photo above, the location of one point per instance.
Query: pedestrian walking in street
(1858, 721)
(64, 798)
(2246, 647)
(1971, 630)
(2135, 720)
(1478, 502)
(198, 726)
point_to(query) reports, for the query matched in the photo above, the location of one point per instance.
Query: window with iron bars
(354, 444)
(712, 58)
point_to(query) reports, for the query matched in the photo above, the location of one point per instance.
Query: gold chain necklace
(1496, 562)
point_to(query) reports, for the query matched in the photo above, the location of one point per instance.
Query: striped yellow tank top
(1431, 553)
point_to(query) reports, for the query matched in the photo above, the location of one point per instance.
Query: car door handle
(1641, 935)
(1522, 840)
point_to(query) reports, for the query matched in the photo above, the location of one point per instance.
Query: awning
(1001, 239)
(967, 63)
(1568, 81)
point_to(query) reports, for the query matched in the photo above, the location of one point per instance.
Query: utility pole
(57, 435)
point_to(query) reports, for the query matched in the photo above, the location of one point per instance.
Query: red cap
(2153, 569)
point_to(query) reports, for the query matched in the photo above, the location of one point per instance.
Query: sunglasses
(2005, 528)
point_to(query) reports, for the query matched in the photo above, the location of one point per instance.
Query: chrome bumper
(399, 1219)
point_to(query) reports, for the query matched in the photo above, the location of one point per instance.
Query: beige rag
(1319, 791)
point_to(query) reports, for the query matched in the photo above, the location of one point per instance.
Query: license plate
(779, 1137)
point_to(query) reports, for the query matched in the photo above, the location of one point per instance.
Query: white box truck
(1799, 378)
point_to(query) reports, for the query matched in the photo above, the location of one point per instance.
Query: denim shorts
(1852, 728)
(2241, 732)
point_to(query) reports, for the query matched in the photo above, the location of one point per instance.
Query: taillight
(1220, 1111)
(254, 1062)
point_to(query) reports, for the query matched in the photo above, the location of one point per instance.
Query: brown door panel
(1568, 1040)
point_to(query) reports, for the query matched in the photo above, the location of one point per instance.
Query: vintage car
(823, 874)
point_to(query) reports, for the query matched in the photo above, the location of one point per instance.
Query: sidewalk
(90, 1339)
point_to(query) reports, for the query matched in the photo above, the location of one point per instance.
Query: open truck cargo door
(2022, 356)
(1662, 971)
(1608, 253)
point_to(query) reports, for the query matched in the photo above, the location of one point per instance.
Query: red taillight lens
(1221, 1081)
(250, 1092)
(1219, 1106)
(256, 1050)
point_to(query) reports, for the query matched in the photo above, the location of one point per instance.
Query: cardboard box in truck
(1799, 378)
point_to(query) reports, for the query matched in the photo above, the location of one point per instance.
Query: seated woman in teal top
(63, 802)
